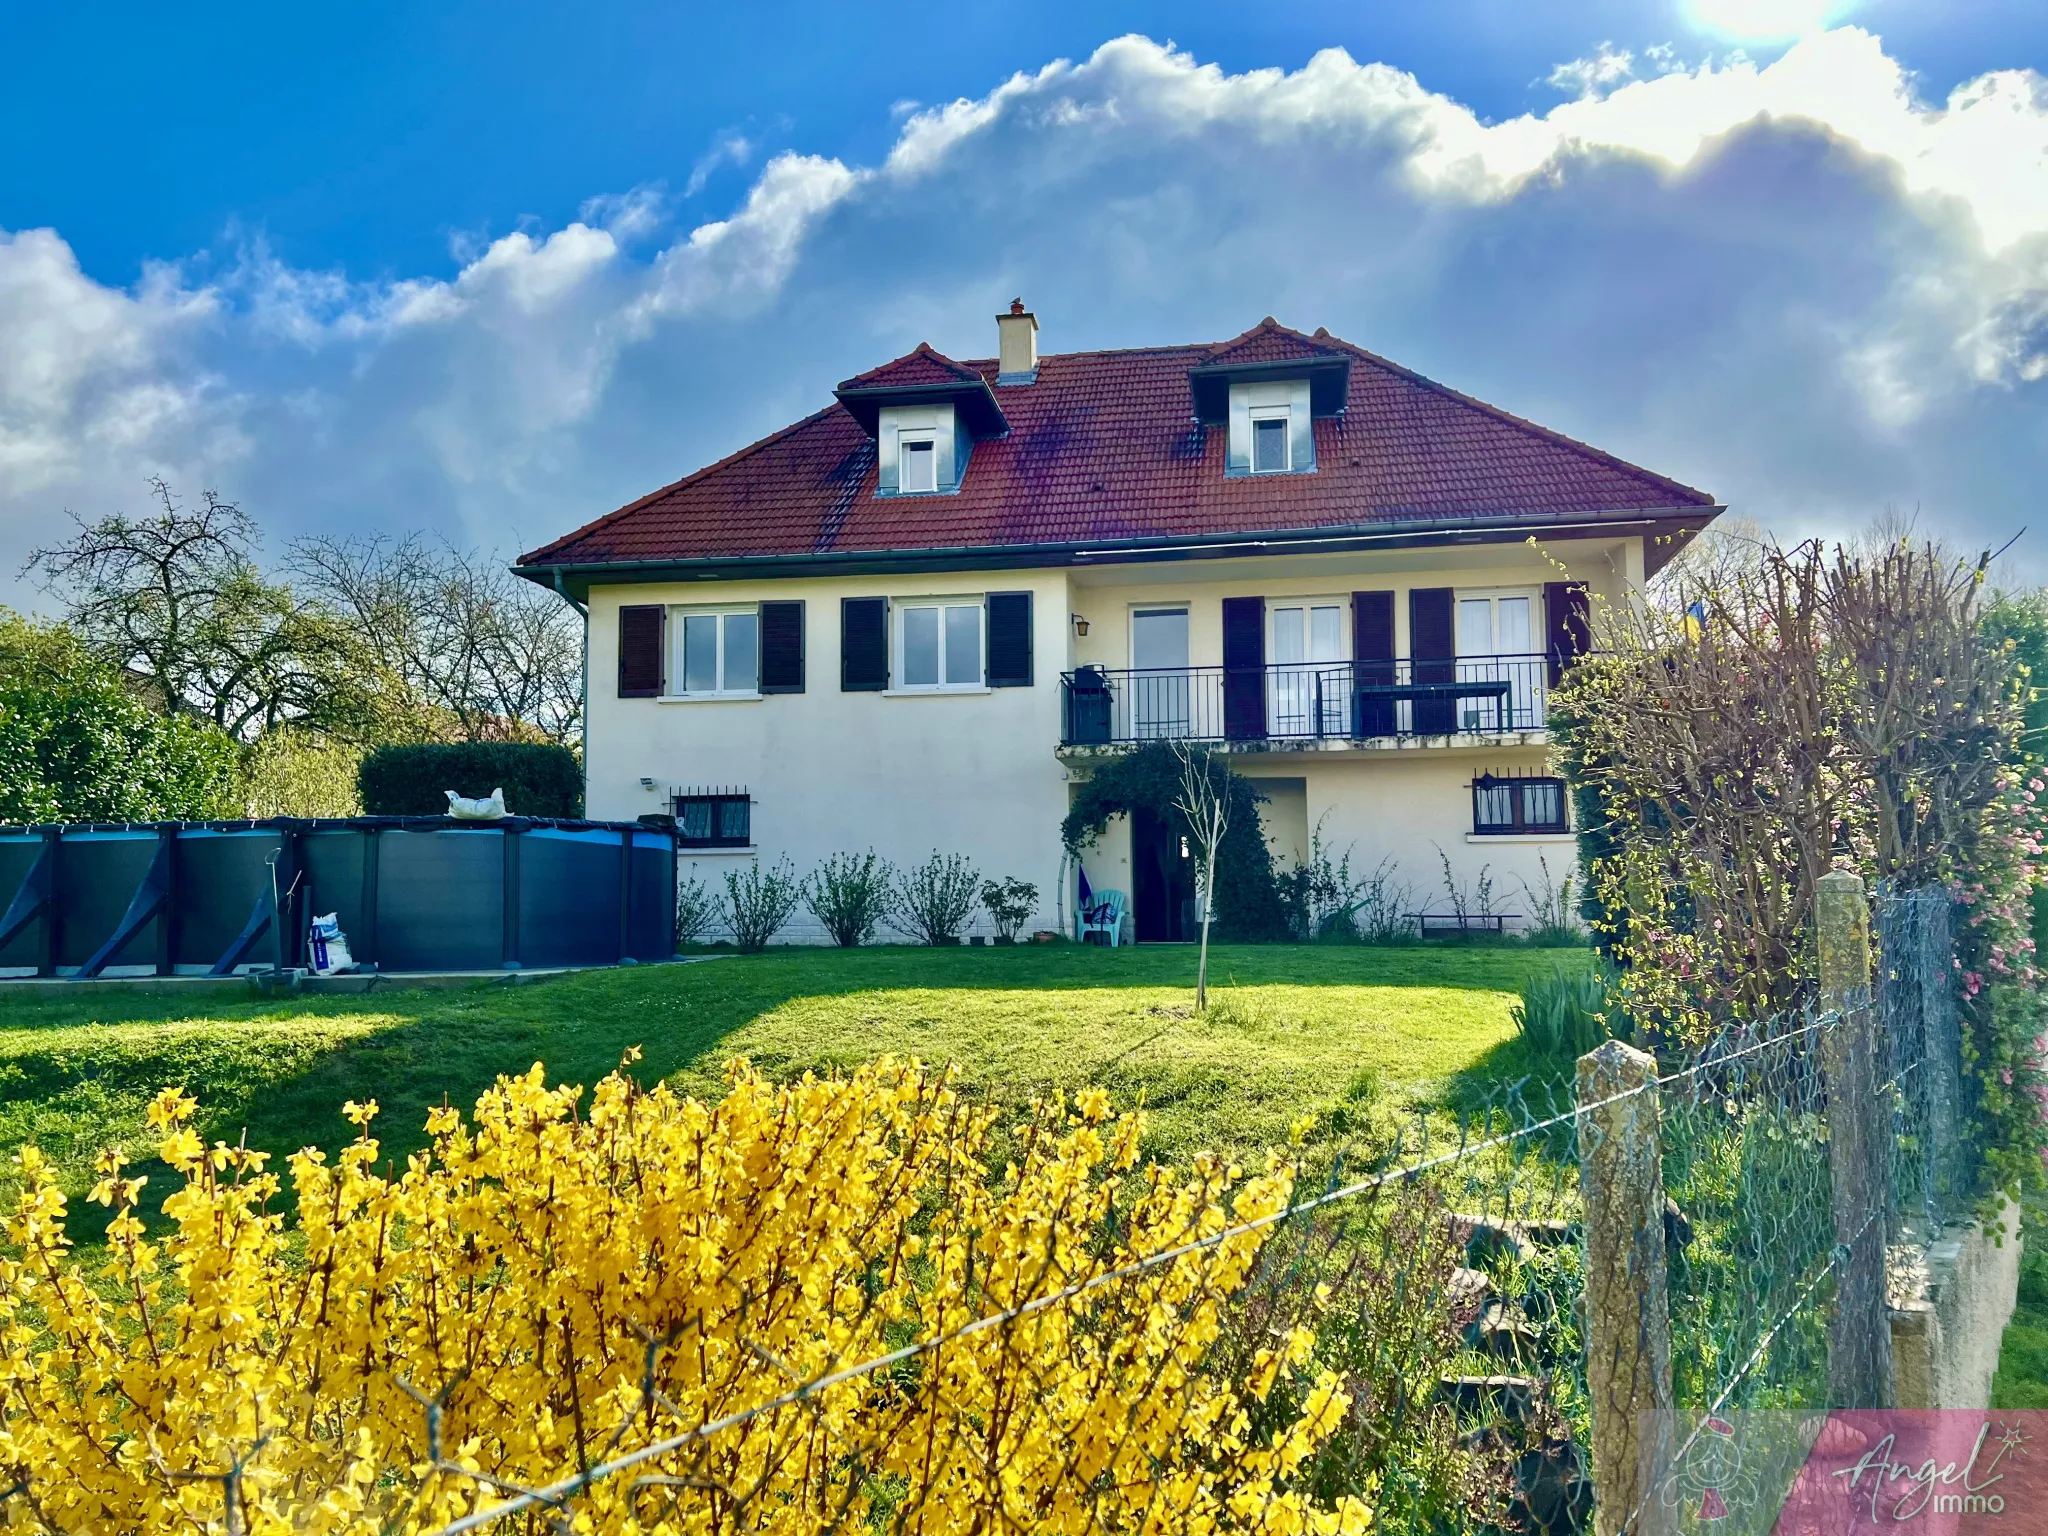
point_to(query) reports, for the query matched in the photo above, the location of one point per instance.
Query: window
(1159, 691)
(1502, 807)
(717, 654)
(919, 460)
(1308, 689)
(714, 821)
(1269, 443)
(939, 645)
(1496, 641)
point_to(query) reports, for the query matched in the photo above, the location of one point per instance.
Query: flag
(1084, 895)
(1695, 619)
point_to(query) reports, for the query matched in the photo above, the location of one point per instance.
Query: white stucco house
(914, 620)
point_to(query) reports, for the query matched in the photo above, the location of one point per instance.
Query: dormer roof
(923, 376)
(1269, 350)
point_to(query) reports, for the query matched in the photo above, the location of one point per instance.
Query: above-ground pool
(411, 893)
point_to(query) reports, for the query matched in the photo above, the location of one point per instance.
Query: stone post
(1628, 1309)
(1859, 1151)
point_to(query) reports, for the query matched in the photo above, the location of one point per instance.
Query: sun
(1766, 21)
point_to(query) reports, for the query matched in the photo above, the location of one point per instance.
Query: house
(915, 619)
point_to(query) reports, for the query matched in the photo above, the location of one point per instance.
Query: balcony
(1306, 702)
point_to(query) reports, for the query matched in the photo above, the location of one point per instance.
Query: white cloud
(1767, 21)
(1794, 284)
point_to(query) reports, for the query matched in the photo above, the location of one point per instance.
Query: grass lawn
(1290, 1030)
(2023, 1360)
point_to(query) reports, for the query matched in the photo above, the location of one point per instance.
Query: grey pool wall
(411, 894)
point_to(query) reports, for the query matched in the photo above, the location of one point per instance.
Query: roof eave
(1329, 380)
(985, 416)
(577, 578)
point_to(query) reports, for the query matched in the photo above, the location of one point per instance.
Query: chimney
(1017, 345)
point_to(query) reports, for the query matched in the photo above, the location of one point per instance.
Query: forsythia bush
(563, 1284)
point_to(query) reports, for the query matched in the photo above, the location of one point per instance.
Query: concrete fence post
(1628, 1308)
(1859, 1150)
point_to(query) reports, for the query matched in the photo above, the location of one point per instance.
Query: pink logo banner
(1915, 1472)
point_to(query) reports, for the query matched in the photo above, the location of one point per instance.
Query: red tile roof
(924, 365)
(1102, 448)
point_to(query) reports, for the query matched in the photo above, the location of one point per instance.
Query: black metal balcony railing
(1358, 700)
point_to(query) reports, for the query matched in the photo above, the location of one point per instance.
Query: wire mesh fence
(856, 1307)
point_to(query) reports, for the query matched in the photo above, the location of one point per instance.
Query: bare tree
(176, 598)
(487, 656)
(1207, 811)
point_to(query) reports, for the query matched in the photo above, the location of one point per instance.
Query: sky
(492, 269)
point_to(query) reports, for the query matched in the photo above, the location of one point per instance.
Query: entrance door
(1162, 881)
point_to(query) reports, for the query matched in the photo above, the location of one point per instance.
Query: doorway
(1162, 881)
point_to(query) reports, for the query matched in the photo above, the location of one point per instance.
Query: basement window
(714, 821)
(1505, 807)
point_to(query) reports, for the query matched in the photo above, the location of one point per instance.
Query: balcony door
(1308, 694)
(1159, 674)
(1496, 639)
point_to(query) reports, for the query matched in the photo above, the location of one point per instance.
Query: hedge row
(539, 779)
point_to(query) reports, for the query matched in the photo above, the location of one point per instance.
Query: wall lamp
(1080, 625)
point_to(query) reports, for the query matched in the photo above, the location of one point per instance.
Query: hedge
(539, 779)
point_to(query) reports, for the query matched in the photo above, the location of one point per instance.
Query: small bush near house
(1010, 903)
(1326, 903)
(759, 902)
(934, 898)
(1552, 920)
(696, 909)
(849, 895)
(1561, 1015)
(539, 778)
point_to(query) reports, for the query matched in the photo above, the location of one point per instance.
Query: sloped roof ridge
(1322, 341)
(676, 485)
(924, 351)
(1521, 423)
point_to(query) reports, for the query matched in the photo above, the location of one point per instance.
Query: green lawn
(2023, 1361)
(1290, 1030)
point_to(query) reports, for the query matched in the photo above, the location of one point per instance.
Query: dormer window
(1270, 427)
(1269, 441)
(920, 465)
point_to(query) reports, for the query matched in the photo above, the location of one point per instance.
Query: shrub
(1553, 922)
(580, 1276)
(1010, 904)
(696, 909)
(539, 778)
(934, 898)
(849, 895)
(1560, 1015)
(759, 901)
(290, 772)
(78, 744)
(1325, 902)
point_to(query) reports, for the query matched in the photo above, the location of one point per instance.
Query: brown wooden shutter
(1568, 625)
(1009, 639)
(643, 631)
(782, 647)
(1372, 652)
(863, 644)
(1433, 647)
(1244, 668)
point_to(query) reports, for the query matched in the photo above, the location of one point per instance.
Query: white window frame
(1461, 595)
(1284, 414)
(928, 442)
(678, 669)
(899, 611)
(1518, 667)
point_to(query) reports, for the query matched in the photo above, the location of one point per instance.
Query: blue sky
(492, 269)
